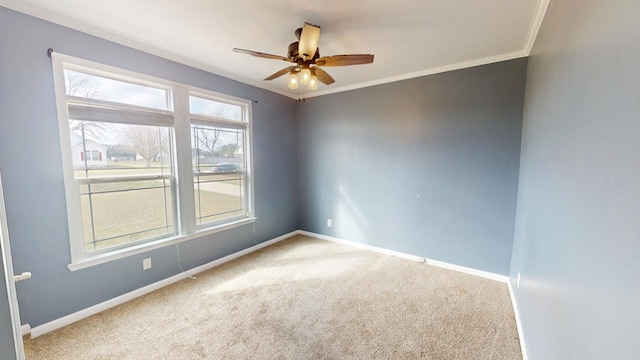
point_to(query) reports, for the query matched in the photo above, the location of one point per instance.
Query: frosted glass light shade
(293, 81)
(313, 83)
(305, 76)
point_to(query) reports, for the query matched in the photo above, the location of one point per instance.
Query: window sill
(152, 245)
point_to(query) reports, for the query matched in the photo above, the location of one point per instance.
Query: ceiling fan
(305, 54)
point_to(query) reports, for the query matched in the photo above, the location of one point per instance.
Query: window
(140, 174)
(218, 137)
(91, 155)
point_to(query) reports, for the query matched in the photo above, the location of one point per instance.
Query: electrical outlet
(329, 223)
(146, 264)
(518, 281)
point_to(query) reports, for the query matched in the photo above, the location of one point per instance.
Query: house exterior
(93, 153)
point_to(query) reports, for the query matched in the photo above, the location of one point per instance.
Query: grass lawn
(136, 210)
(124, 168)
(212, 203)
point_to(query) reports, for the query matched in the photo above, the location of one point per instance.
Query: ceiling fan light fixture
(305, 61)
(313, 83)
(305, 76)
(293, 81)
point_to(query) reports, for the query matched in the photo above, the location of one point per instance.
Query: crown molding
(25, 8)
(56, 19)
(536, 23)
(430, 71)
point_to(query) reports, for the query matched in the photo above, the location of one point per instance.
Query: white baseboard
(441, 264)
(26, 329)
(92, 310)
(484, 274)
(84, 313)
(516, 313)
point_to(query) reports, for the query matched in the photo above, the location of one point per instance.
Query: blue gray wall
(427, 166)
(578, 218)
(7, 344)
(31, 167)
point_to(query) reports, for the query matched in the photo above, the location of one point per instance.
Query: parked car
(226, 167)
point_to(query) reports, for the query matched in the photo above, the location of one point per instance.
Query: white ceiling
(409, 38)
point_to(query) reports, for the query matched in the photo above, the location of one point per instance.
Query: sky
(155, 97)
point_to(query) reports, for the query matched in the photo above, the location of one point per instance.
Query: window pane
(219, 197)
(124, 212)
(217, 149)
(118, 150)
(96, 87)
(200, 106)
(219, 180)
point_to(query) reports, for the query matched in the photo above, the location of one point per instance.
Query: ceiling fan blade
(322, 76)
(308, 41)
(343, 60)
(280, 73)
(261, 54)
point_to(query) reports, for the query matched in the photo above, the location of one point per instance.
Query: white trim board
(31, 10)
(25, 329)
(441, 264)
(421, 73)
(484, 274)
(536, 23)
(516, 313)
(92, 310)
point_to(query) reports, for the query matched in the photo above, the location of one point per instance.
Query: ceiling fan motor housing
(294, 54)
(293, 51)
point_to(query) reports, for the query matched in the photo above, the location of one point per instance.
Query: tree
(207, 139)
(229, 150)
(119, 151)
(82, 85)
(147, 142)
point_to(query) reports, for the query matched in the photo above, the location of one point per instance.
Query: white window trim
(248, 148)
(183, 172)
(152, 245)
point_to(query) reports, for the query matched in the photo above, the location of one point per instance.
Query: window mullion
(184, 166)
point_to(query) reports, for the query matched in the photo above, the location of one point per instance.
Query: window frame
(182, 171)
(226, 124)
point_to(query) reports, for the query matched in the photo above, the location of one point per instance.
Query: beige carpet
(302, 299)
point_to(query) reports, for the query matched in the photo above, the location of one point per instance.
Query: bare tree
(81, 85)
(148, 142)
(207, 139)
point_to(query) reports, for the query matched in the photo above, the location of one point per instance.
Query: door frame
(9, 279)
